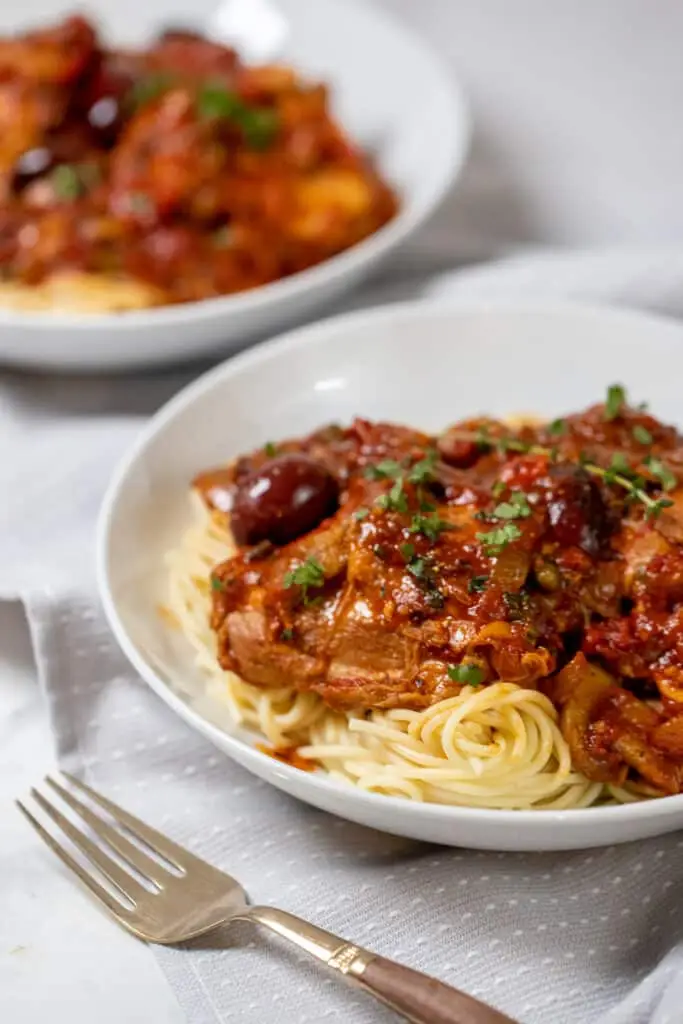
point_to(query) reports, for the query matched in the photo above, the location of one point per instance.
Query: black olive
(105, 119)
(283, 499)
(576, 510)
(32, 164)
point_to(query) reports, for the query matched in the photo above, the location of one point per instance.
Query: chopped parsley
(471, 675)
(420, 568)
(216, 584)
(310, 575)
(258, 124)
(557, 428)
(430, 525)
(641, 434)
(151, 87)
(494, 541)
(388, 469)
(407, 550)
(361, 513)
(423, 471)
(498, 488)
(287, 634)
(477, 584)
(615, 402)
(67, 183)
(517, 507)
(395, 500)
(661, 472)
(270, 449)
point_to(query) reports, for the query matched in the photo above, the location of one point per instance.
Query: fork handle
(416, 996)
(421, 999)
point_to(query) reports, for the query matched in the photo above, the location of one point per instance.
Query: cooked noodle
(497, 746)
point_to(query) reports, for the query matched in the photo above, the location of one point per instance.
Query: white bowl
(421, 364)
(389, 91)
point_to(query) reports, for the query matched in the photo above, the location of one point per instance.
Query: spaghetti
(498, 746)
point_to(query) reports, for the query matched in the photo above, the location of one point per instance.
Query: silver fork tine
(119, 878)
(150, 869)
(100, 893)
(165, 847)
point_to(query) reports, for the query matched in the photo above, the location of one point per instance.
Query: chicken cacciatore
(381, 567)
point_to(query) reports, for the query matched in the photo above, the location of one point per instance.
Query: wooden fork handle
(421, 999)
(415, 996)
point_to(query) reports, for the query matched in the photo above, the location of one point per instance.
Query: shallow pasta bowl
(390, 93)
(420, 364)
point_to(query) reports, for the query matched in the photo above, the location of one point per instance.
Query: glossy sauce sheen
(176, 166)
(549, 557)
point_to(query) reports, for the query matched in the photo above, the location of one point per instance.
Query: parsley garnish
(287, 634)
(423, 470)
(498, 488)
(616, 399)
(517, 507)
(661, 472)
(407, 550)
(270, 449)
(494, 541)
(309, 576)
(641, 434)
(395, 500)
(216, 584)
(471, 675)
(361, 513)
(431, 526)
(419, 568)
(557, 428)
(66, 182)
(388, 469)
(151, 87)
(477, 584)
(258, 124)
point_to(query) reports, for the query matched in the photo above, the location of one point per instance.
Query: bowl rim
(361, 254)
(663, 808)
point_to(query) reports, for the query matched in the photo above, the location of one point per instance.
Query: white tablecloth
(577, 143)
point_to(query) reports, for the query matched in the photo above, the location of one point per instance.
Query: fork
(167, 895)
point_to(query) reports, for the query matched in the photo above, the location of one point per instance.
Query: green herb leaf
(287, 634)
(471, 675)
(431, 526)
(557, 428)
(641, 434)
(310, 575)
(419, 568)
(407, 550)
(151, 87)
(661, 472)
(258, 124)
(66, 182)
(423, 471)
(477, 584)
(616, 399)
(217, 584)
(516, 508)
(494, 541)
(361, 513)
(270, 449)
(388, 469)
(498, 488)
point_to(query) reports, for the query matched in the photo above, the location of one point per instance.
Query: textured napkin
(581, 938)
